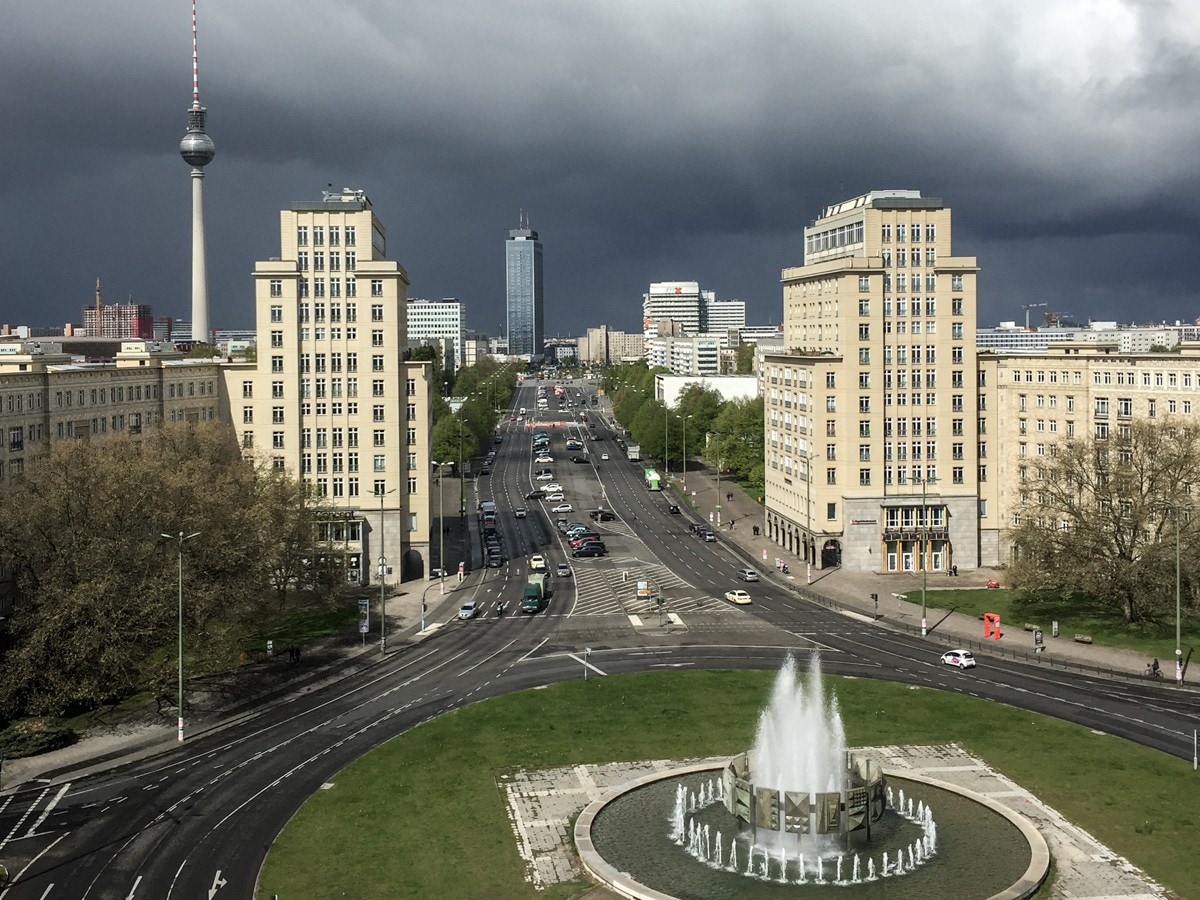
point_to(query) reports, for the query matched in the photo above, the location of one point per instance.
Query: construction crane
(1027, 307)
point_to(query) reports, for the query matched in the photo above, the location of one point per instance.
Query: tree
(1096, 515)
(97, 584)
(454, 440)
(744, 361)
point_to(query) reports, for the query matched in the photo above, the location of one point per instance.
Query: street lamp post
(382, 577)
(462, 485)
(924, 551)
(441, 539)
(181, 537)
(666, 447)
(1175, 508)
(685, 460)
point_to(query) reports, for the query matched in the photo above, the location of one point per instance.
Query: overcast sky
(648, 140)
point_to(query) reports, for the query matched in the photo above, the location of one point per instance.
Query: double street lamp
(181, 537)
(441, 539)
(685, 459)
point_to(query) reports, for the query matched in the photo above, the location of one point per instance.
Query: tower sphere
(197, 149)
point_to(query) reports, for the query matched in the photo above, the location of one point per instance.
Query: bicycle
(1152, 672)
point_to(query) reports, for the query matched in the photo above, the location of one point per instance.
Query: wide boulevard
(196, 822)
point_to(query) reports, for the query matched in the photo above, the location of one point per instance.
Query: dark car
(590, 550)
(579, 459)
(602, 515)
(590, 542)
(534, 495)
(673, 509)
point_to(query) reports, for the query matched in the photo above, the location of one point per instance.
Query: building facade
(436, 321)
(331, 397)
(872, 434)
(524, 291)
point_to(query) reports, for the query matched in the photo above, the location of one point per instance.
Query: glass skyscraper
(523, 283)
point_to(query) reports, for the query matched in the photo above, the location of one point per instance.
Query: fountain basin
(986, 867)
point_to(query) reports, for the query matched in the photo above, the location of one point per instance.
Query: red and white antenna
(195, 63)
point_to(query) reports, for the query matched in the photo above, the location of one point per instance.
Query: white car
(604, 456)
(469, 610)
(739, 597)
(537, 563)
(563, 507)
(557, 495)
(964, 659)
(552, 486)
(545, 476)
(544, 459)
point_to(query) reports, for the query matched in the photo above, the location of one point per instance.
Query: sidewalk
(851, 591)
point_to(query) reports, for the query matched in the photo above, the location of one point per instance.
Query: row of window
(335, 261)
(831, 239)
(324, 437)
(903, 229)
(349, 487)
(903, 258)
(318, 235)
(21, 402)
(318, 311)
(892, 475)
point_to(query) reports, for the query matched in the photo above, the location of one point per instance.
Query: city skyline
(1060, 134)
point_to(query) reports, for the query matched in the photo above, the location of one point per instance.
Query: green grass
(302, 626)
(423, 816)
(1075, 614)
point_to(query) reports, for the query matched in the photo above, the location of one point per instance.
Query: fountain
(797, 814)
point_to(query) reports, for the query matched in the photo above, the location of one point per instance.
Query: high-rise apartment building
(524, 290)
(331, 397)
(872, 431)
(438, 321)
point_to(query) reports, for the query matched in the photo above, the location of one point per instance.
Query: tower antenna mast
(197, 150)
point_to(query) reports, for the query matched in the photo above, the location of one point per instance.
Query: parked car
(469, 610)
(584, 537)
(602, 515)
(747, 574)
(545, 476)
(438, 573)
(739, 597)
(589, 550)
(556, 495)
(563, 507)
(964, 659)
(520, 512)
(535, 494)
(563, 570)
(544, 459)
(495, 561)
(554, 486)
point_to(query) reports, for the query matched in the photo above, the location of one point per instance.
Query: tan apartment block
(1034, 400)
(331, 397)
(871, 413)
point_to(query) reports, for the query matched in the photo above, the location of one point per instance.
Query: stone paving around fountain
(542, 804)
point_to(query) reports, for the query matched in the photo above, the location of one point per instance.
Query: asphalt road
(197, 822)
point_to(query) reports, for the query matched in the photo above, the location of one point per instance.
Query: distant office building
(603, 345)
(524, 290)
(431, 321)
(1009, 336)
(682, 309)
(476, 346)
(699, 355)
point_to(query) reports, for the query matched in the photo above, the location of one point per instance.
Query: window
(377, 387)
(301, 235)
(376, 287)
(377, 338)
(831, 511)
(956, 282)
(831, 475)
(350, 235)
(864, 307)
(864, 477)
(380, 462)
(864, 283)
(864, 332)
(277, 440)
(276, 291)
(247, 415)
(956, 475)
(376, 311)
(377, 413)
(377, 438)
(276, 364)
(411, 412)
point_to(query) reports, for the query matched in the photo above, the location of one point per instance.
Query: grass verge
(1154, 637)
(422, 816)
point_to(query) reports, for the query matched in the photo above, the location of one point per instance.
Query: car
(575, 528)
(563, 507)
(536, 562)
(590, 550)
(554, 486)
(535, 494)
(545, 476)
(602, 515)
(485, 470)
(438, 573)
(579, 459)
(747, 575)
(583, 537)
(495, 561)
(554, 495)
(708, 535)
(964, 659)
(563, 570)
(588, 542)
(604, 456)
(469, 610)
(520, 512)
(673, 509)
(544, 459)
(739, 597)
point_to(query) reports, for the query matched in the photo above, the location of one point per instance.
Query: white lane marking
(49, 808)
(133, 890)
(21, 821)
(486, 658)
(533, 650)
(580, 659)
(635, 621)
(28, 865)
(218, 883)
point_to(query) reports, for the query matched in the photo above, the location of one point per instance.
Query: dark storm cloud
(648, 141)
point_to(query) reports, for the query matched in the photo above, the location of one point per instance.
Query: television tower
(197, 150)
